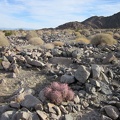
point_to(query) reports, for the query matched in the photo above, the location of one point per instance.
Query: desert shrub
(36, 41)
(85, 32)
(58, 43)
(58, 92)
(3, 40)
(31, 34)
(100, 39)
(8, 32)
(82, 40)
(77, 34)
(49, 46)
(109, 32)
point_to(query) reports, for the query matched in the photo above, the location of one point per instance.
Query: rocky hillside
(95, 22)
(70, 81)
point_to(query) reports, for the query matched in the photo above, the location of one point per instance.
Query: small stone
(76, 99)
(6, 65)
(67, 79)
(96, 69)
(112, 112)
(82, 74)
(30, 101)
(63, 109)
(105, 118)
(42, 115)
(68, 117)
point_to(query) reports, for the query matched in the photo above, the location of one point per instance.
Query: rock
(63, 109)
(90, 88)
(82, 74)
(41, 96)
(95, 83)
(22, 115)
(96, 69)
(35, 116)
(105, 88)
(6, 65)
(112, 111)
(105, 118)
(7, 115)
(42, 115)
(13, 75)
(67, 79)
(104, 78)
(30, 101)
(76, 99)
(39, 107)
(34, 62)
(56, 52)
(15, 105)
(77, 54)
(68, 117)
(110, 59)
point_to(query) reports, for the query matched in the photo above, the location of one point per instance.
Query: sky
(37, 14)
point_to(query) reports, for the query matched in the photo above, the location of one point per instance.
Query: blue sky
(38, 14)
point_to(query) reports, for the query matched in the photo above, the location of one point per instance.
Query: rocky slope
(93, 73)
(95, 22)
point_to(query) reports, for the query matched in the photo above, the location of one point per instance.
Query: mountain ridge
(98, 22)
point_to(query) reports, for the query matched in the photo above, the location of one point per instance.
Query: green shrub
(36, 41)
(8, 32)
(100, 39)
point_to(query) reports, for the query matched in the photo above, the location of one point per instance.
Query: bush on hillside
(4, 41)
(49, 46)
(8, 32)
(100, 39)
(82, 40)
(58, 92)
(36, 41)
(58, 43)
(31, 34)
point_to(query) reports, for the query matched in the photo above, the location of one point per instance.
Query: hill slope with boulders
(94, 22)
(60, 76)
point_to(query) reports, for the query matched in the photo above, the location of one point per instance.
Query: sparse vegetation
(82, 40)
(100, 39)
(58, 43)
(58, 92)
(3, 40)
(36, 41)
(31, 34)
(8, 32)
(49, 46)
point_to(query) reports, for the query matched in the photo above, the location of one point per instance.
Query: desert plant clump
(31, 34)
(3, 40)
(36, 41)
(58, 43)
(83, 40)
(58, 92)
(8, 32)
(102, 38)
(49, 46)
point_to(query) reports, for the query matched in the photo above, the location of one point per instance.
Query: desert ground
(81, 68)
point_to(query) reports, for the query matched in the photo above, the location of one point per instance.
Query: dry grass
(82, 40)
(31, 34)
(58, 43)
(100, 39)
(49, 46)
(3, 40)
(36, 41)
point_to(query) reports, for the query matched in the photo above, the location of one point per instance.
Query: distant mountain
(94, 22)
